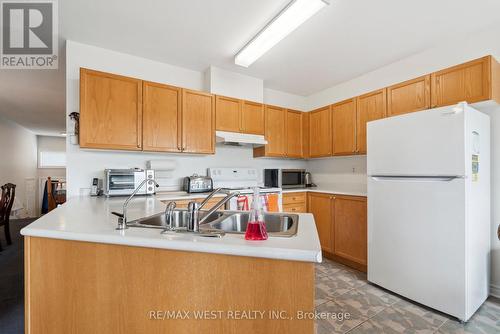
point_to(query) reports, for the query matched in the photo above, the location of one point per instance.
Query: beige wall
(18, 164)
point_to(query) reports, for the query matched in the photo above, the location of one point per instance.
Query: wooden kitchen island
(89, 278)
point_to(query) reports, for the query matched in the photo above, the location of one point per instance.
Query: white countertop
(90, 219)
(350, 189)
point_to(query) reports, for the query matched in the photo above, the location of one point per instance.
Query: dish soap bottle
(256, 228)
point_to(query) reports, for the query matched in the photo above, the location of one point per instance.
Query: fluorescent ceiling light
(292, 16)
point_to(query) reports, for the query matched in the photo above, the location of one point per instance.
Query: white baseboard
(495, 290)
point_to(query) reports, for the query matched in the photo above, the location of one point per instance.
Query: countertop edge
(312, 256)
(176, 197)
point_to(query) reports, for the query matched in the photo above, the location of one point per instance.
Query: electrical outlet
(353, 170)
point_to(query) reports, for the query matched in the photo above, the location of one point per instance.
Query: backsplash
(335, 170)
(83, 165)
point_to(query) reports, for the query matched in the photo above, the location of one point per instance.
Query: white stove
(242, 180)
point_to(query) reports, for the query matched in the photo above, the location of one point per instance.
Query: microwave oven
(123, 182)
(285, 178)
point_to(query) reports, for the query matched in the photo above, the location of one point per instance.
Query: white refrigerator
(429, 207)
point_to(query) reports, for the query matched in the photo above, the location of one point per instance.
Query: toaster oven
(122, 182)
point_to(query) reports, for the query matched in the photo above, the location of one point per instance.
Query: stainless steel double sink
(277, 224)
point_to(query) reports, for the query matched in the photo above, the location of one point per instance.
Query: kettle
(308, 180)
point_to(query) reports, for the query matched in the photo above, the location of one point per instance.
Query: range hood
(239, 139)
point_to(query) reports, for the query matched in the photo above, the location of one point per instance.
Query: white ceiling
(343, 41)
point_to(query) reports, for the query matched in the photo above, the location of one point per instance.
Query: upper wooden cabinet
(350, 228)
(409, 96)
(344, 127)
(252, 118)
(228, 114)
(161, 120)
(110, 111)
(235, 115)
(320, 133)
(370, 107)
(284, 133)
(474, 81)
(321, 206)
(198, 122)
(275, 133)
(293, 126)
(305, 136)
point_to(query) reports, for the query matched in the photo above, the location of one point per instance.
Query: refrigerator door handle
(447, 178)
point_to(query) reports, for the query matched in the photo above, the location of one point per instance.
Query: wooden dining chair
(55, 196)
(6, 202)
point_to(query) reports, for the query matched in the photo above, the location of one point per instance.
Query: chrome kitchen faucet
(193, 208)
(122, 217)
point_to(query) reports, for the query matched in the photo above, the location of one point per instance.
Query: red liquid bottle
(256, 228)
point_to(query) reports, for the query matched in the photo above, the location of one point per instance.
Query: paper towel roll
(161, 165)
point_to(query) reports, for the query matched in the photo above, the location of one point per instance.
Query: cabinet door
(350, 228)
(227, 114)
(293, 134)
(321, 206)
(110, 111)
(305, 136)
(344, 127)
(198, 122)
(466, 82)
(275, 131)
(161, 121)
(252, 118)
(410, 96)
(370, 107)
(320, 133)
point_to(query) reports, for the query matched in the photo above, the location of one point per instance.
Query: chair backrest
(50, 194)
(8, 194)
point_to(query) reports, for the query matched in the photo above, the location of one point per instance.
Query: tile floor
(340, 289)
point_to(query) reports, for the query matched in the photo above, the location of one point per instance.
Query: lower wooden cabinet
(350, 228)
(295, 202)
(321, 206)
(341, 222)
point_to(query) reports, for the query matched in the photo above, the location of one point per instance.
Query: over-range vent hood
(239, 139)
